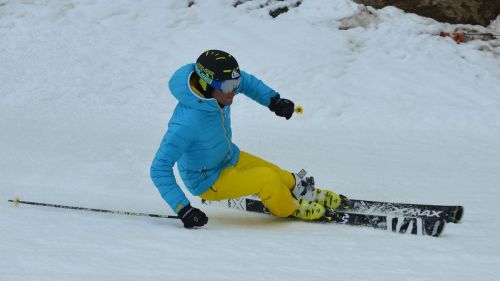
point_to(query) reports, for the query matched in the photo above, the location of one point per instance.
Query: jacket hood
(181, 90)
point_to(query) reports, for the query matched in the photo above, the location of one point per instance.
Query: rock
(480, 12)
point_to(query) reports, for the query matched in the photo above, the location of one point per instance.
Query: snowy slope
(392, 112)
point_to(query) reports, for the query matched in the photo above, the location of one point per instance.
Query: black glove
(192, 217)
(282, 107)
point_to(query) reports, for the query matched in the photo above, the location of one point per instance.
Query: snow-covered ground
(392, 112)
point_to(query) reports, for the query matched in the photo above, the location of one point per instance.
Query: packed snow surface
(392, 112)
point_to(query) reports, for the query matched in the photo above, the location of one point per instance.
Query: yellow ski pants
(253, 175)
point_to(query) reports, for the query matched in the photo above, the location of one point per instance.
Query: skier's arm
(263, 94)
(174, 143)
(256, 89)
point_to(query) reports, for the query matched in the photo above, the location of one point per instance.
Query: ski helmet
(219, 70)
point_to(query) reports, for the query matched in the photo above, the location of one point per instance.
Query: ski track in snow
(392, 112)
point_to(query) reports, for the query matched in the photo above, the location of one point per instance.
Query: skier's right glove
(282, 107)
(192, 217)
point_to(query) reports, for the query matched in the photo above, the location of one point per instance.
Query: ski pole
(17, 201)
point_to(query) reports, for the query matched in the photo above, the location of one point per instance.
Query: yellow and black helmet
(219, 70)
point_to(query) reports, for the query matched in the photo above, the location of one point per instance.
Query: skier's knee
(271, 182)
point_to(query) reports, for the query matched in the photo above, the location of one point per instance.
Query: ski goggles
(226, 86)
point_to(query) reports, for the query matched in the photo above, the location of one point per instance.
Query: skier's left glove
(192, 217)
(282, 107)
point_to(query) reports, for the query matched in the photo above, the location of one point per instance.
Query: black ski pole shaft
(16, 202)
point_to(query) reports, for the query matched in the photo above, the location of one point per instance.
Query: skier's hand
(192, 217)
(282, 107)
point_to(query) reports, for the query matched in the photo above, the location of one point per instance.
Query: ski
(393, 223)
(399, 224)
(449, 213)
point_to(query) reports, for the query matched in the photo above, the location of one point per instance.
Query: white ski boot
(304, 189)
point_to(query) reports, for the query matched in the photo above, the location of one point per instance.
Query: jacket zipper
(204, 170)
(225, 133)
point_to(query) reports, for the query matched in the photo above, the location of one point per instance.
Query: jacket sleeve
(174, 143)
(256, 89)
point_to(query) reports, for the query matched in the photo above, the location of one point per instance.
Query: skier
(211, 166)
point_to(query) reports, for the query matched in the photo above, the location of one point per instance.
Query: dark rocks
(480, 12)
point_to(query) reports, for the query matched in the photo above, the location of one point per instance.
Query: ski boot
(309, 210)
(345, 203)
(304, 189)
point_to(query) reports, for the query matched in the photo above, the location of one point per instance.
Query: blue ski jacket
(198, 138)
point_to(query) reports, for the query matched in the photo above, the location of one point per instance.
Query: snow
(392, 112)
